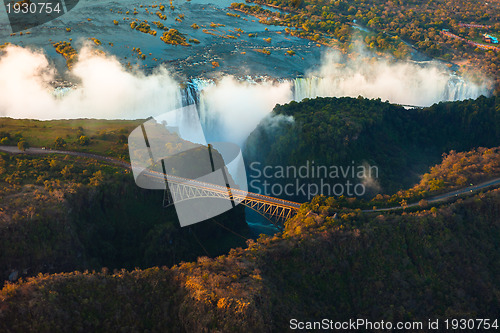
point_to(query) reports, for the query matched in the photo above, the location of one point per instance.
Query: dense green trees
(62, 213)
(22, 145)
(439, 263)
(457, 170)
(67, 51)
(336, 263)
(59, 142)
(7, 138)
(401, 143)
(83, 140)
(174, 37)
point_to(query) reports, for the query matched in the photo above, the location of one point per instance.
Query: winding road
(436, 199)
(445, 196)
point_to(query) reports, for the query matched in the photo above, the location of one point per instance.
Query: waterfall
(219, 124)
(457, 89)
(413, 91)
(418, 92)
(231, 108)
(192, 90)
(454, 88)
(310, 87)
(193, 93)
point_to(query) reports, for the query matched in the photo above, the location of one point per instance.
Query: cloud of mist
(398, 82)
(104, 90)
(370, 178)
(239, 106)
(23, 86)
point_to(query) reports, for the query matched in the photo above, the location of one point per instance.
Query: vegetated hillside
(401, 143)
(439, 263)
(457, 170)
(61, 213)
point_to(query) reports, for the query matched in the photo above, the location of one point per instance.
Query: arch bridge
(275, 210)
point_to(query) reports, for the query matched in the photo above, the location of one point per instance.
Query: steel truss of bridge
(275, 210)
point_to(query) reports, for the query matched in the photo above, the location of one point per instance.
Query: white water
(234, 119)
(420, 93)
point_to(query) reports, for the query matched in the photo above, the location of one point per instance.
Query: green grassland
(107, 137)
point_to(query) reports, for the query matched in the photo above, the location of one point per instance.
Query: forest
(402, 143)
(440, 263)
(62, 213)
